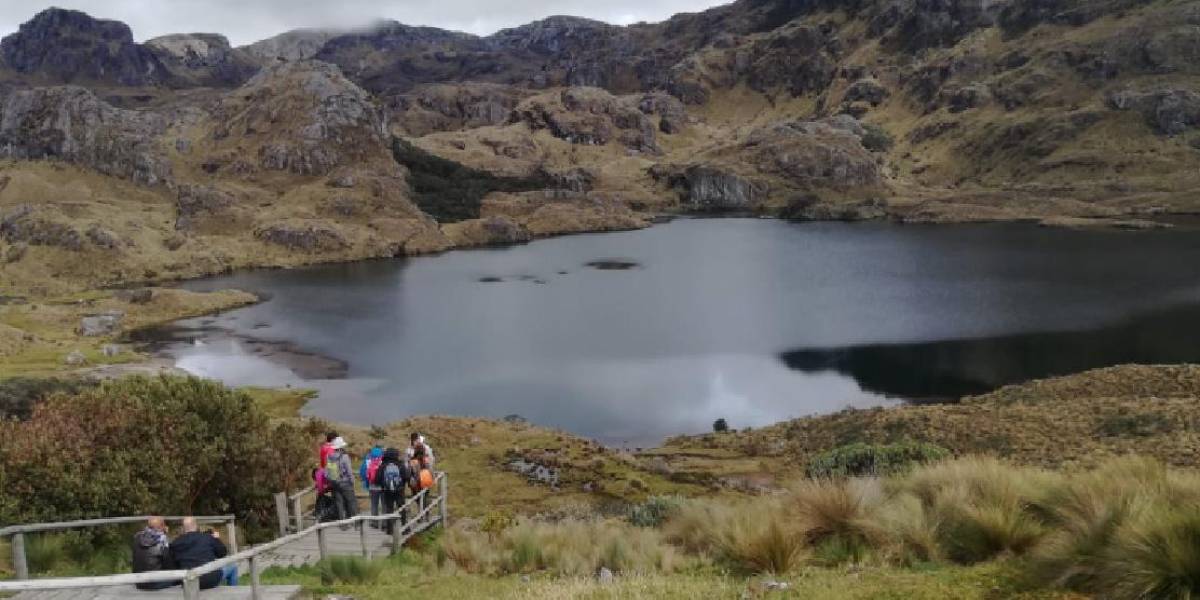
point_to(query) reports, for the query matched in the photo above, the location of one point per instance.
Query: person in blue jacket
(366, 473)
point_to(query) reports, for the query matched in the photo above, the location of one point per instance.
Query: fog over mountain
(246, 21)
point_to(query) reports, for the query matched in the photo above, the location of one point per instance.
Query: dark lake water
(630, 337)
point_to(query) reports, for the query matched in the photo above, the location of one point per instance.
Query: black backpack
(393, 478)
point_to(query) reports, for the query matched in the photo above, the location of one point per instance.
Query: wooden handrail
(190, 577)
(36, 527)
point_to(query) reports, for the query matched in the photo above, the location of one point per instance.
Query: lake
(633, 336)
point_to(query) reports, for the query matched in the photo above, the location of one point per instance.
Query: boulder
(102, 324)
(135, 296)
(75, 359)
(101, 237)
(111, 350)
(708, 188)
(867, 90)
(194, 202)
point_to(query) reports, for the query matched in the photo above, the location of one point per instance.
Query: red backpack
(372, 468)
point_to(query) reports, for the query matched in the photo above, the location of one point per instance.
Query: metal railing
(190, 578)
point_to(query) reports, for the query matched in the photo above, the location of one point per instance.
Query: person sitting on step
(152, 552)
(196, 548)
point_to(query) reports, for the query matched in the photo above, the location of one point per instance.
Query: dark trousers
(156, 585)
(391, 502)
(343, 496)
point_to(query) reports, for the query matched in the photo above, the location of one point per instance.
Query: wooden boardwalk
(128, 592)
(338, 542)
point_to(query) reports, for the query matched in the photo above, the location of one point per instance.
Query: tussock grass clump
(572, 548)
(352, 570)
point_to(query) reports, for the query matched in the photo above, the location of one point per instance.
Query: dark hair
(419, 452)
(415, 436)
(332, 435)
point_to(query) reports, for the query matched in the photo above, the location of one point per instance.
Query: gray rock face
(71, 124)
(711, 189)
(70, 46)
(298, 44)
(445, 107)
(203, 59)
(810, 207)
(102, 324)
(1171, 111)
(306, 238)
(75, 359)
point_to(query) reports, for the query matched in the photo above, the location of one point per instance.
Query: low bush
(450, 191)
(161, 445)
(18, 395)
(352, 570)
(654, 511)
(859, 459)
(876, 138)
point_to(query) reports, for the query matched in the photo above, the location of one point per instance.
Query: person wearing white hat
(339, 475)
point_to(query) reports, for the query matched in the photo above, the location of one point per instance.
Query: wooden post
(20, 565)
(191, 588)
(231, 531)
(362, 538)
(298, 515)
(397, 534)
(321, 546)
(442, 489)
(281, 512)
(254, 578)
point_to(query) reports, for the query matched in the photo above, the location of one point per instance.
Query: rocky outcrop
(707, 188)
(1170, 111)
(26, 226)
(203, 59)
(446, 107)
(490, 231)
(300, 236)
(592, 116)
(71, 124)
(69, 46)
(298, 44)
(302, 117)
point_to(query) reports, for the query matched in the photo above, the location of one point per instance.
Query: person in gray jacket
(339, 475)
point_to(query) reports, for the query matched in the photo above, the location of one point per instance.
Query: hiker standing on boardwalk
(366, 473)
(152, 552)
(391, 477)
(417, 442)
(339, 475)
(327, 447)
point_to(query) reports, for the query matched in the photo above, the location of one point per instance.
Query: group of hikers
(154, 551)
(385, 475)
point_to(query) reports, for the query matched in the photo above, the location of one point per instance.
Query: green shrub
(654, 511)
(18, 395)
(451, 191)
(720, 426)
(157, 445)
(351, 570)
(1138, 425)
(859, 459)
(876, 138)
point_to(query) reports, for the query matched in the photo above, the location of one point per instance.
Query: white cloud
(245, 21)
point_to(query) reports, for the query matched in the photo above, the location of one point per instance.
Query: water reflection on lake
(749, 320)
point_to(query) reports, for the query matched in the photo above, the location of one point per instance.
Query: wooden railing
(17, 533)
(190, 578)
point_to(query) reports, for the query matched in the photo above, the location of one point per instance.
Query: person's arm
(362, 471)
(218, 547)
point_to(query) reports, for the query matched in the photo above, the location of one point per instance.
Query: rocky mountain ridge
(184, 155)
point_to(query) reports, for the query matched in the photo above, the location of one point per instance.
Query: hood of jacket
(149, 538)
(376, 452)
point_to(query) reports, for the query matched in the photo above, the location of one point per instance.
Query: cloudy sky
(245, 21)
